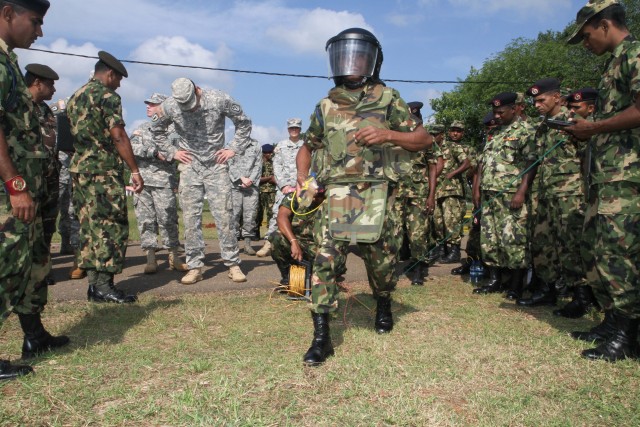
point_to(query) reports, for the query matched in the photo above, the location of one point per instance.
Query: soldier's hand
(137, 183)
(161, 157)
(517, 201)
(296, 251)
(288, 189)
(371, 136)
(23, 207)
(222, 156)
(430, 206)
(246, 182)
(183, 156)
(582, 130)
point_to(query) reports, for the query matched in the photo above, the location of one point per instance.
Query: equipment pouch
(357, 210)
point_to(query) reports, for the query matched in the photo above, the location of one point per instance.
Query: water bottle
(475, 272)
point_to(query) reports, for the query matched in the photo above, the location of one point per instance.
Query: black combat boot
(284, 281)
(494, 285)
(384, 318)
(105, 291)
(583, 301)
(464, 268)
(599, 333)
(517, 283)
(619, 346)
(544, 295)
(321, 346)
(36, 338)
(453, 257)
(419, 272)
(11, 372)
(435, 254)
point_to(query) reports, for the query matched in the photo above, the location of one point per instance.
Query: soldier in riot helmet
(360, 167)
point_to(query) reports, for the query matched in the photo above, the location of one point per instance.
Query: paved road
(261, 273)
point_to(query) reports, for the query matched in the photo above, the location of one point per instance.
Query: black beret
(38, 6)
(585, 94)
(489, 119)
(267, 148)
(111, 62)
(544, 86)
(415, 105)
(42, 71)
(504, 98)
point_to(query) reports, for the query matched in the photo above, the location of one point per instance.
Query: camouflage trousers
(68, 224)
(245, 205)
(156, 211)
(50, 203)
(281, 248)
(273, 226)
(380, 259)
(196, 180)
(417, 225)
(504, 237)
(611, 248)
(448, 217)
(24, 263)
(104, 223)
(557, 237)
(473, 243)
(265, 208)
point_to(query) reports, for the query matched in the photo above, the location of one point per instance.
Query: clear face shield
(352, 58)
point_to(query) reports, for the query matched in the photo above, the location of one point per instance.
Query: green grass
(235, 359)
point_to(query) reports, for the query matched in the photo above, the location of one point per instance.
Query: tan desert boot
(193, 276)
(236, 274)
(174, 261)
(265, 250)
(152, 264)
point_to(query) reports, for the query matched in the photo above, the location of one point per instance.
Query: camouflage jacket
(284, 162)
(453, 153)
(267, 170)
(93, 111)
(248, 164)
(154, 172)
(560, 171)
(339, 116)
(301, 225)
(511, 149)
(21, 125)
(416, 183)
(616, 155)
(202, 131)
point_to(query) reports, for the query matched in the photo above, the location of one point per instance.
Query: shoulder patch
(155, 118)
(235, 108)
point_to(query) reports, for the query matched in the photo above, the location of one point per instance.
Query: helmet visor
(352, 58)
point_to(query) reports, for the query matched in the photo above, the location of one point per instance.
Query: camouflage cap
(110, 61)
(294, 123)
(155, 98)
(436, 129)
(587, 94)
(38, 6)
(184, 92)
(585, 14)
(519, 98)
(457, 124)
(543, 86)
(267, 148)
(42, 71)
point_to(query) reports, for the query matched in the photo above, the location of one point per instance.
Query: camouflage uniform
(202, 134)
(411, 202)
(98, 178)
(284, 170)
(68, 224)
(473, 241)
(504, 233)
(155, 206)
(555, 246)
(24, 257)
(612, 223)
(267, 195)
(362, 175)
(245, 199)
(52, 174)
(450, 195)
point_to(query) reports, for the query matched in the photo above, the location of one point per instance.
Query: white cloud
(404, 20)
(532, 8)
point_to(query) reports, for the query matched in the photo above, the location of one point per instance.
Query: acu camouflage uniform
(245, 200)
(284, 170)
(503, 231)
(202, 134)
(267, 195)
(24, 256)
(612, 223)
(155, 206)
(365, 178)
(98, 178)
(557, 234)
(451, 205)
(411, 202)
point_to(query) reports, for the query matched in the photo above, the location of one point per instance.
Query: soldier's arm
(22, 205)
(256, 171)
(284, 225)
(303, 164)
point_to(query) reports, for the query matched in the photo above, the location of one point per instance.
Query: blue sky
(421, 40)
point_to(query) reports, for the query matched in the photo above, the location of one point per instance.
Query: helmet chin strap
(349, 84)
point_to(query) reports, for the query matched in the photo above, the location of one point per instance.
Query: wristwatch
(16, 185)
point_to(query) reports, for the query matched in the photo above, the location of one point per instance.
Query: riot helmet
(354, 52)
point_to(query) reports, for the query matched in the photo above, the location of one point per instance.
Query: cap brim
(576, 37)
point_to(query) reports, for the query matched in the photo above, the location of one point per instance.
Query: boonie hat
(587, 12)
(184, 92)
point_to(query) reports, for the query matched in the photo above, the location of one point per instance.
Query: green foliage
(522, 62)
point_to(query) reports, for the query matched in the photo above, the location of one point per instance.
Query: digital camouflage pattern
(245, 200)
(68, 223)
(98, 178)
(201, 133)
(335, 120)
(24, 258)
(93, 111)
